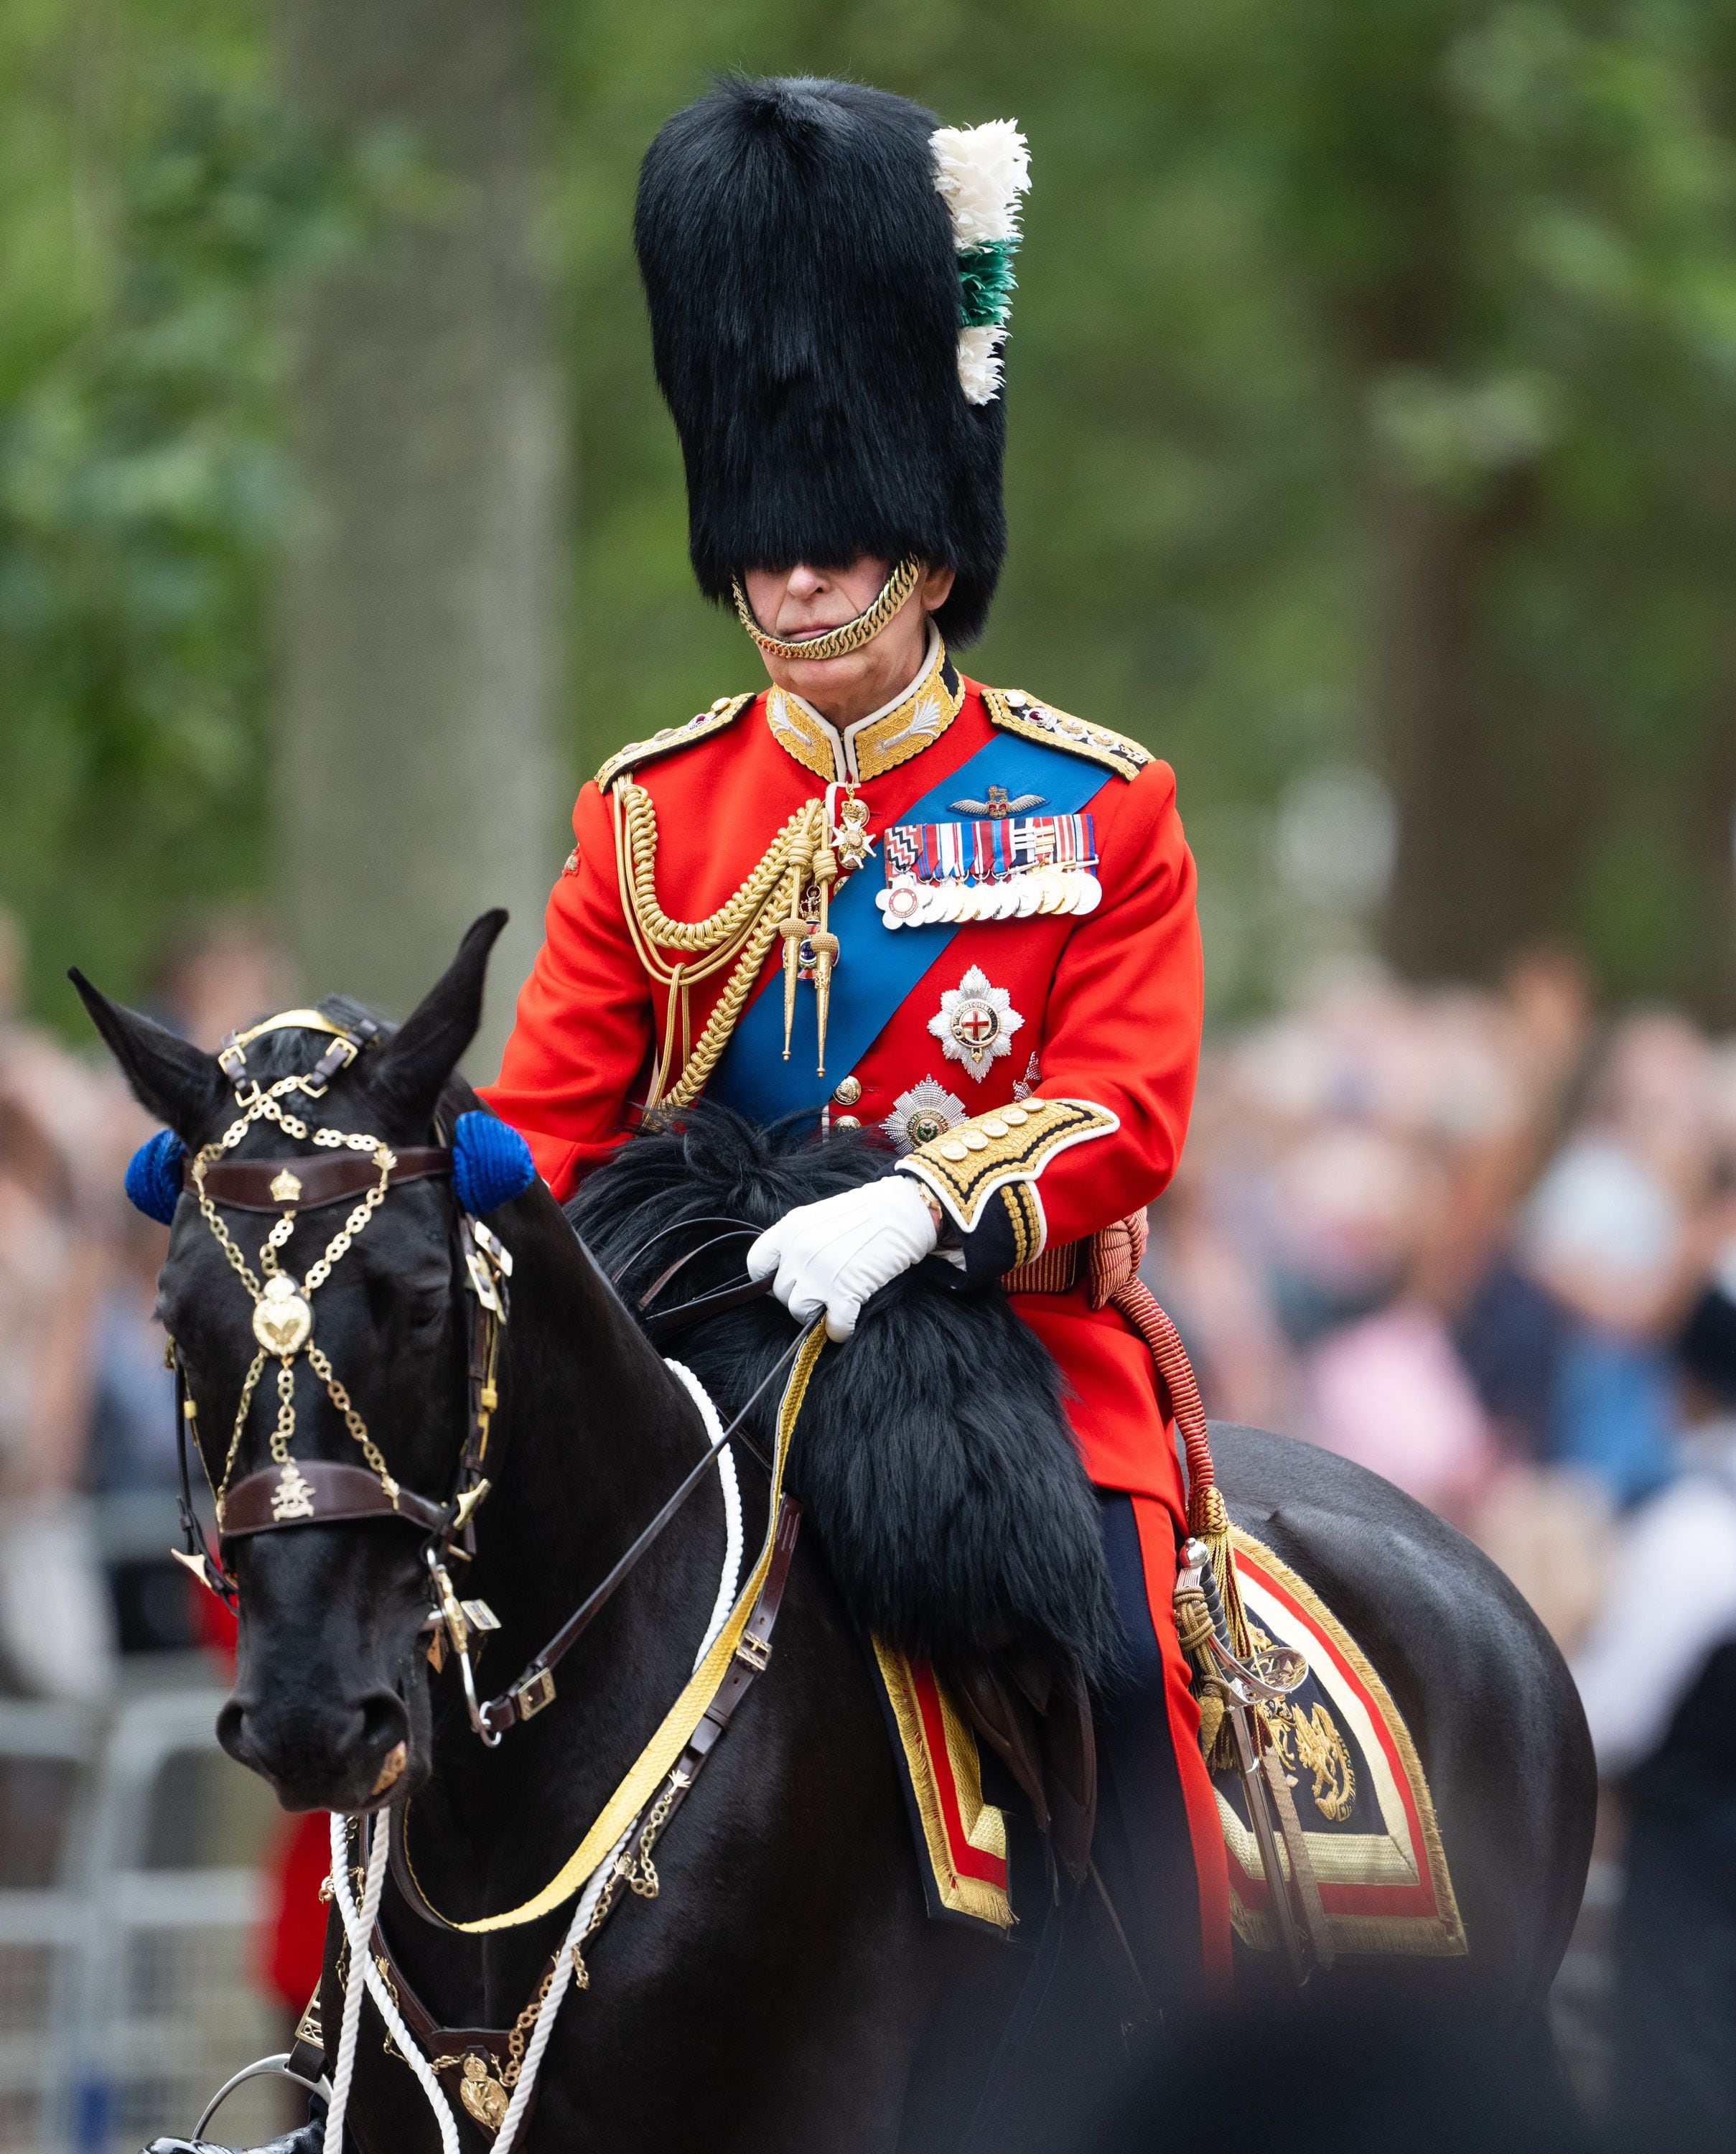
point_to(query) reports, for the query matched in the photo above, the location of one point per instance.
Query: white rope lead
(359, 1924)
(359, 1929)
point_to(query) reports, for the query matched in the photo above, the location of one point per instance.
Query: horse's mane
(932, 1454)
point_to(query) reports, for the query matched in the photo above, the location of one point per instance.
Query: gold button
(953, 1149)
(846, 1121)
(993, 1126)
(848, 1091)
(1035, 1106)
(976, 1140)
(1016, 1116)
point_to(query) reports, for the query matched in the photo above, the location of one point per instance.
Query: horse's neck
(592, 1437)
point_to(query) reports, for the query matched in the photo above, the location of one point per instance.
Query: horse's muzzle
(338, 1754)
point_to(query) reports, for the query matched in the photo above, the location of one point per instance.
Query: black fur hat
(806, 303)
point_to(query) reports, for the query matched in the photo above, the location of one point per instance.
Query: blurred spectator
(1610, 1233)
(56, 1632)
(132, 1443)
(217, 974)
(1658, 1679)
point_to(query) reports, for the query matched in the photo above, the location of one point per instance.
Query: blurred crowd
(87, 1466)
(1458, 1236)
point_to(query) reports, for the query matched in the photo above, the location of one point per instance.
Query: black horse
(786, 1990)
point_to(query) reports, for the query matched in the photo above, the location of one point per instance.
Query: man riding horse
(885, 897)
(879, 891)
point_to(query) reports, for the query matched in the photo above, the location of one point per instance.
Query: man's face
(803, 602)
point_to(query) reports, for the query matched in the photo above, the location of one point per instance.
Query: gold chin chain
(282, 1314)
(789, 894)
(851, 635)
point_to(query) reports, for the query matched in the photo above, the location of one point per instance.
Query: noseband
(292, 1492)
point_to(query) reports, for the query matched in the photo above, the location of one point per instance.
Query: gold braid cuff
(1006, 1149)
(837, 642)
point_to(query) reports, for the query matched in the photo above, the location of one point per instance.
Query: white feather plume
(979, 364)
(982, 171)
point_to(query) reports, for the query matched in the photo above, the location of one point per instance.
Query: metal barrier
(129, 1915)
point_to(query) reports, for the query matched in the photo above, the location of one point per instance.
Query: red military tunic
(1103, 1009)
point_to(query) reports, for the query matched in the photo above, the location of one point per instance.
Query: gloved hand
(833, 1255)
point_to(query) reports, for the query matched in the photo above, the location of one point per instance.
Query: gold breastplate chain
(788, 893)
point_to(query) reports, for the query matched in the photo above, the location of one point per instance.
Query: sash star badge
(976, 1022)
(922, 1114)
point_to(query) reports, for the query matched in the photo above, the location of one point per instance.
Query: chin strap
(851, 635)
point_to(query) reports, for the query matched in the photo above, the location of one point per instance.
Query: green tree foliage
(144, 490)
(1372, 388)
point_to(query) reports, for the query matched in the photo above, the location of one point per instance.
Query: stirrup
(263, 2068)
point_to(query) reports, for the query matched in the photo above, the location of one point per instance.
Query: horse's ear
(416, 1062)
(170, 1078)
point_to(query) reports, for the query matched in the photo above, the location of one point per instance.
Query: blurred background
(1372, 399)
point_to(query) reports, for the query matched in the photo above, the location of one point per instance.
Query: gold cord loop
(740, 933)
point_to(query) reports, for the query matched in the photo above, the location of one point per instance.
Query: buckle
(531, 1697)
(757, 1653)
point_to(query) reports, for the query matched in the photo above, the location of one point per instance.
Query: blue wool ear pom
(491, 1163)
(153, 1175)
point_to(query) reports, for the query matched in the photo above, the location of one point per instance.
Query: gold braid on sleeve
(740, 933)
(1005, 1151)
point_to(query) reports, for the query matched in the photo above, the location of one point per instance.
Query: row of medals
(907, 902)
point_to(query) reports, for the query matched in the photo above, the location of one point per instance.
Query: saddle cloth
(1367, 1818)
(1368, 1821)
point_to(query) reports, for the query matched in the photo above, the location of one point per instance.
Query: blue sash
(877, 969)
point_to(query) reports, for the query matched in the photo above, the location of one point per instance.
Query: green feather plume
(986, 279)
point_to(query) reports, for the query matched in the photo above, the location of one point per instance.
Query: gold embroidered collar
(914, 719)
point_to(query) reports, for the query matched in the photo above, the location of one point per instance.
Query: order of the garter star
(976, 1022)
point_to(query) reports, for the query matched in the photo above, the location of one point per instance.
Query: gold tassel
(1209, 1521)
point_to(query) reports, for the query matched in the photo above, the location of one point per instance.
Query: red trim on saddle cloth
(960, 1840)
(1211, 1867)
(985, 1866)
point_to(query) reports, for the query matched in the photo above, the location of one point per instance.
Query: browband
(309, 1180)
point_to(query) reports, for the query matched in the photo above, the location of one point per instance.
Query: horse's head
(332, 1637)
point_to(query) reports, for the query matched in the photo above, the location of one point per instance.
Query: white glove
(833, 1255)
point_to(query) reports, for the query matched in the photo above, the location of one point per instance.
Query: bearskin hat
(827, 272)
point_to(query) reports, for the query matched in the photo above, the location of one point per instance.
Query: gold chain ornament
(283, 1311)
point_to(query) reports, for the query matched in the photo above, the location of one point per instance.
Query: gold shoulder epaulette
(1017, 712)
(667, 738)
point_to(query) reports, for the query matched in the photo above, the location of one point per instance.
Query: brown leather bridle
(332, 1491)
